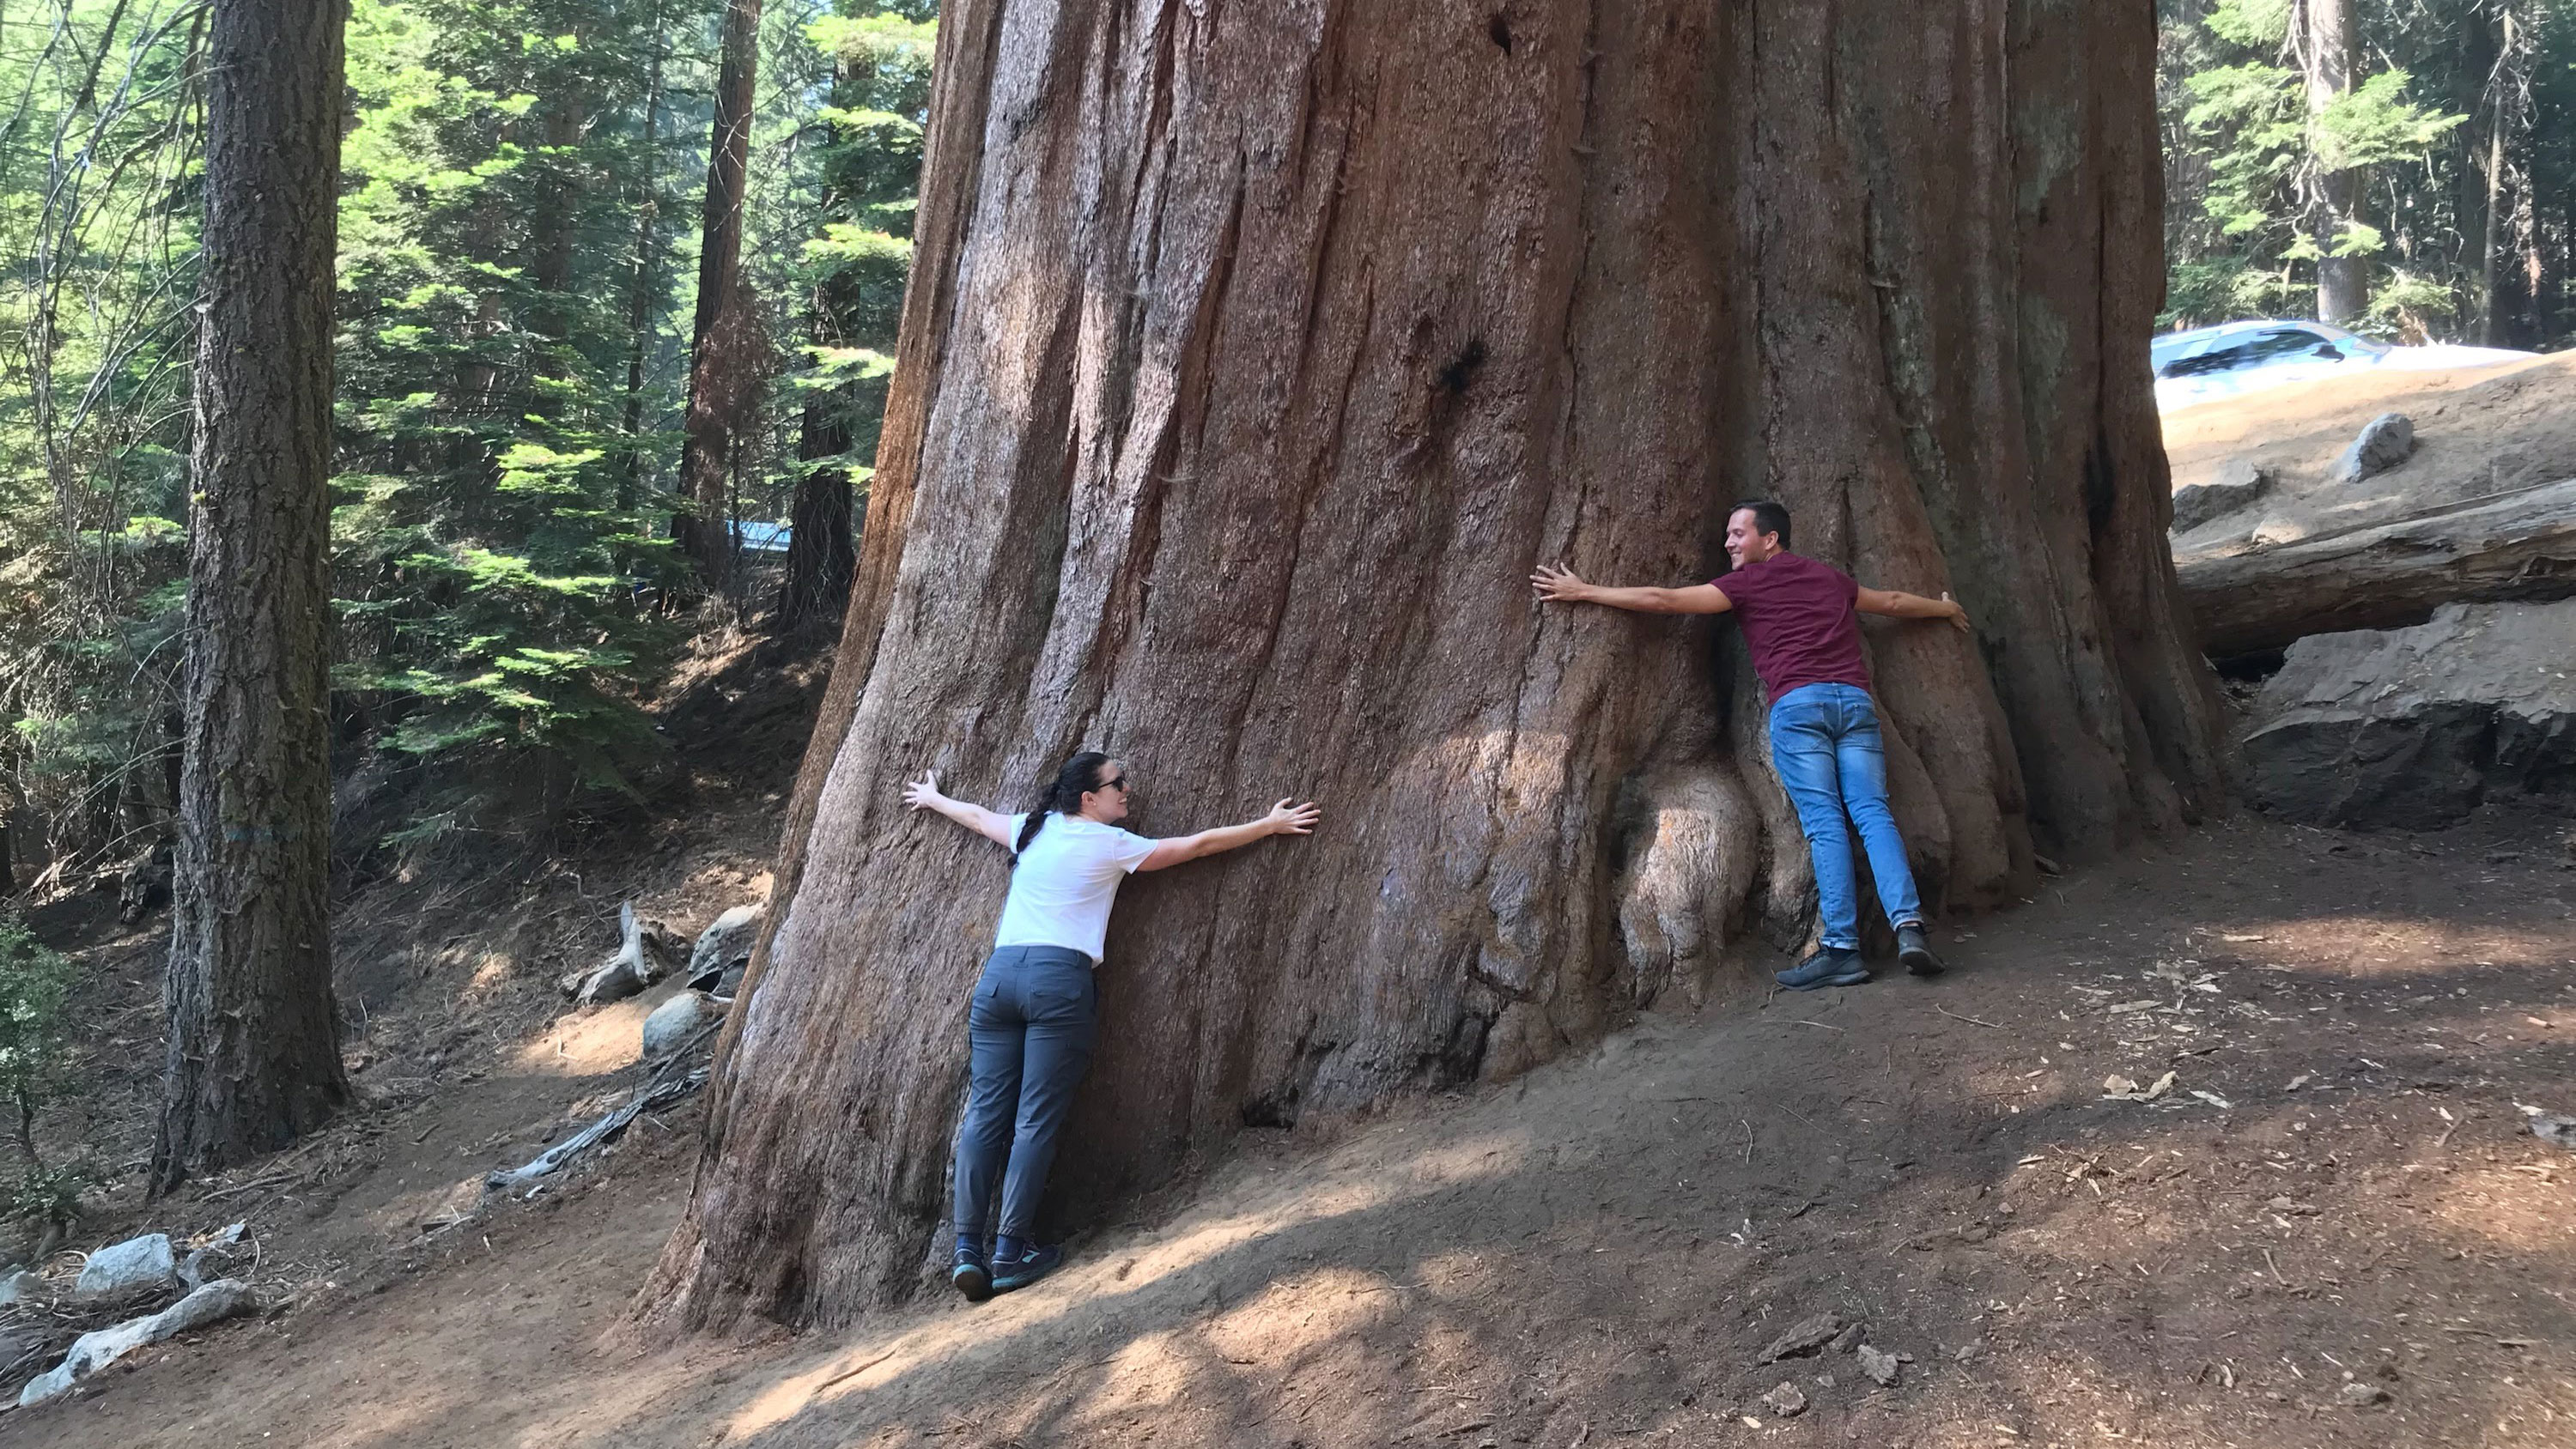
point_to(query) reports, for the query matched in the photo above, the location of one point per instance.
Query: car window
(2278, 344)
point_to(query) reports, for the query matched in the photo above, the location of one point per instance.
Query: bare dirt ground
(2334, 1201)
(2478, 431)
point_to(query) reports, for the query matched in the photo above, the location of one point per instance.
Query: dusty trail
(1596, 1253)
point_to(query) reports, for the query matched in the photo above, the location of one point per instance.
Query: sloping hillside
(2478, 431)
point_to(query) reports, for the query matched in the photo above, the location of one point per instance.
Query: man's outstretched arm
(1898, 604)
(1560, 586)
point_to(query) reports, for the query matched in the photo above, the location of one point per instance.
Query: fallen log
(2512, 546)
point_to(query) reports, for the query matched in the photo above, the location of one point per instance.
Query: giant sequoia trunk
(1254, 354)
(254, 1056)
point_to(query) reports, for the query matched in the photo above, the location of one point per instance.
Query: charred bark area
(254, 1055)
(1254, 355)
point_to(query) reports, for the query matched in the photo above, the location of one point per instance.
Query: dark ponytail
(1064, 796)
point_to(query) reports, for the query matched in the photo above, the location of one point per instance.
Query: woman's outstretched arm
(923, 794)
(1285, 818)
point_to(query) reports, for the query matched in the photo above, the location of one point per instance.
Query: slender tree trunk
(723, 359)
(821, 554)
(2504, 94)
(2488, 250)
(1252, 358)
(254, 1056)
(2333, 55)
(640, 290)
(554, 228)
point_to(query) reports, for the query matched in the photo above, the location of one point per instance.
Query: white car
(2233, 358)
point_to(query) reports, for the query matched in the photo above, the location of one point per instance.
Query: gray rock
(2418, 727)
(2549, 1127)
(2238, 484)
(2361, 1394)
(1879, 1365)
(21, 1287)
(1850, 1338)
(94, 1351)
(1804, 1336)
(723, 950)
(144, 1262)
(2385, 441)
(675, 1021)
(1788, 1401)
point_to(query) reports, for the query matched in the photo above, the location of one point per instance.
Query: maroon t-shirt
(1801, 621)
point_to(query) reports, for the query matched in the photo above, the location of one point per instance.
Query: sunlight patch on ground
(2518, 1207)
(592, 1043)
(2384, 945)
(1301, 1313)
(1115, 1274)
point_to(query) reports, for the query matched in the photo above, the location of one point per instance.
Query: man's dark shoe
(1916, 952)
(1832, 966)
(1029, 1267)
(971, 1278)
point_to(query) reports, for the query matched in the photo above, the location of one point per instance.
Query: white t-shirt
(1063, 886)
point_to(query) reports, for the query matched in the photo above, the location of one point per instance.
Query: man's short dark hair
(1768, 517)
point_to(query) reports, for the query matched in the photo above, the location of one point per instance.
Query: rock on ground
(1879, 1364)
(2238, 484)
(94, 1351)
(723, 950)
(676, 1020)
(1788, 1401)
(2418, 727)
(1804, 1336)
(2387, 440)
(20, 1287)
(141, 1262)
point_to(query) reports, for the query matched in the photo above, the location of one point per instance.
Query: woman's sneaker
(1832, 966)
(1032, 1264)
(970, 1277)
(1916, 952)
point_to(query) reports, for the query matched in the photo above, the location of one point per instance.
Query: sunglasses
(1115, 782)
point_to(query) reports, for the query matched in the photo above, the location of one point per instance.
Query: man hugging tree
(1801, 621)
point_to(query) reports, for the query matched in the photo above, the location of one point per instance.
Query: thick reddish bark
(254, 1052)
(1254, 355)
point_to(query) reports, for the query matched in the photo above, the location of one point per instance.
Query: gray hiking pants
(1030, 1030)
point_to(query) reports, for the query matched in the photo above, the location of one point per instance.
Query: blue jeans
(1824, 741)
(1030, 1029)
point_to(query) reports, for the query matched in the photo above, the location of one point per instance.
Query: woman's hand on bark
(1290, 818)
(1557, 584)
(923, 794)
(1958, 613)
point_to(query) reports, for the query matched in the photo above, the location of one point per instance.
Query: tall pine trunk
(254, 1055)
(724, 355)
(821, 551)
(2333, 59)
(640, 289)
(1252, 358)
